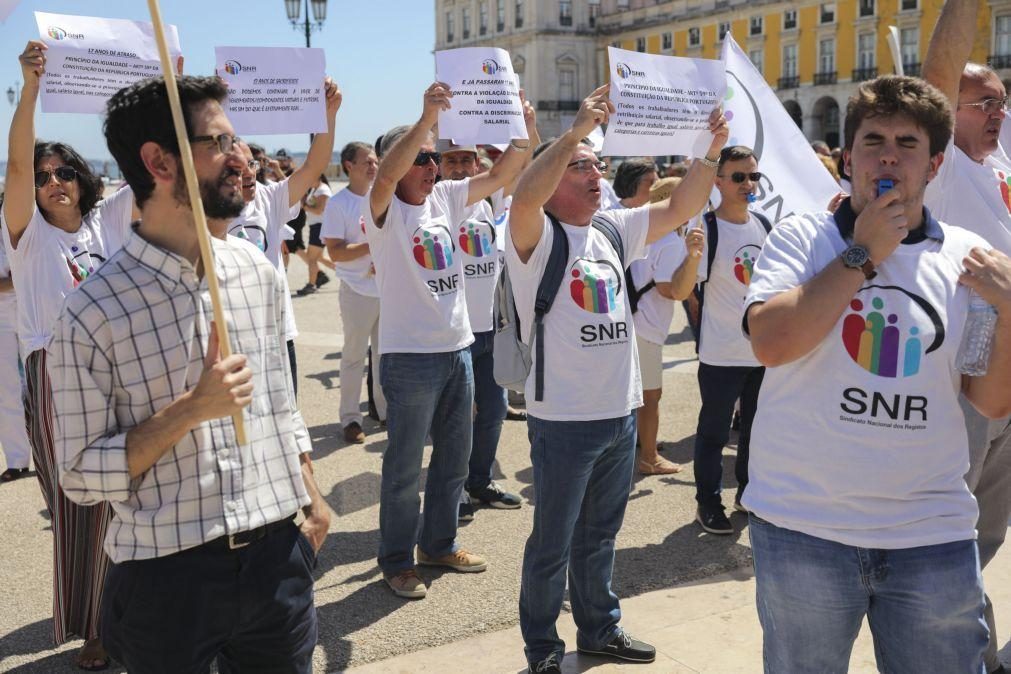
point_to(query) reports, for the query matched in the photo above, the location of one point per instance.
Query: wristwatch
(706, 161)
(858, 257)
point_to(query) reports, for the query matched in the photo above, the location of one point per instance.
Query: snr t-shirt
(343, 219)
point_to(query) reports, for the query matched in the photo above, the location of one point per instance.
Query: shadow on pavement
(346, 616)
(38, 638)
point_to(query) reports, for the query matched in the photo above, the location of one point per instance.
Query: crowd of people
(875, 475)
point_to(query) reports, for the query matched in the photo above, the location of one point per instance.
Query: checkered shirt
(130, 340)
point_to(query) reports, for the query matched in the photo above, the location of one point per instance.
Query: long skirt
(79, 562)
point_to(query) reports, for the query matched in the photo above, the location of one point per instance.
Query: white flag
(6, 7)
(795, 180)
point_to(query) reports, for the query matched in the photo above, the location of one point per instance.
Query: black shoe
(624, 647)
(321, 279)
(494, 496)
(466, 512)
(714, 521)
(548, 665)
(307, 289)
(513, 414)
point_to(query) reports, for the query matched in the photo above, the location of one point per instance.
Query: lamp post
(14, 93)
(294, 9)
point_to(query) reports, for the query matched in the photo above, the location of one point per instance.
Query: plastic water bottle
(977, 339)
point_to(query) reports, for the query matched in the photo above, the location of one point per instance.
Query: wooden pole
(196, 204)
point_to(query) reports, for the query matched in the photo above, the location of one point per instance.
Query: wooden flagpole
(196, 204)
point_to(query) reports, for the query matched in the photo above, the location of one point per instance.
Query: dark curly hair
(893, 95)
(89, 185)
(140, 113)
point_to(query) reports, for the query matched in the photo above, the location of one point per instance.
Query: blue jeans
(582, 478)
(491, 404)
(425, 393)
(720, 388)
(924, 605)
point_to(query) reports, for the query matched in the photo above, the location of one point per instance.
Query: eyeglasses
(225, 141)
(990, 106)
(586, 165)
(740, 176)
(253, 165)
(424, 157)
(65, 174)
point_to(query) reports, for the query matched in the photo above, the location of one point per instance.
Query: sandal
(659, 467)
(92, 657)
(12, 474)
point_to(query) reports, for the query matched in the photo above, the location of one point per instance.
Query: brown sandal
(92, 657)
(659, 467)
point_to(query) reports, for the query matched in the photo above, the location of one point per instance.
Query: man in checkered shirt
(208, 562)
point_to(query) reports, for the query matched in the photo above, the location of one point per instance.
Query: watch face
(855, 256)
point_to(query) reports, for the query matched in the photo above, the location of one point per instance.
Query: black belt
(244, 538)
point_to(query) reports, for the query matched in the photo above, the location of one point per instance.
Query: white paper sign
(794, 179)
(274, 89)
(662, 104)
(486, 97)
(6, 7)
(89, 59)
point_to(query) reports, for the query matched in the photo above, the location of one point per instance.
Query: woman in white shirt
(314, 204)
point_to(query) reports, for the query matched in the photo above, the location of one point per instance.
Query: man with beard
(203, 542)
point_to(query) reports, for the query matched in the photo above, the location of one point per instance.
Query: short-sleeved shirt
(49, 263)
(481, 237)
(419, 272)
(8, 300)
(320, 192)
(591, 366)
(343, 220)
(862, 441)
(737, 249)
(652, 320)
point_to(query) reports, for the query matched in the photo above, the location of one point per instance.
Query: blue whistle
(752, 198)
(884, 185)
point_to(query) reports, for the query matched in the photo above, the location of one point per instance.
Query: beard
(212, 192)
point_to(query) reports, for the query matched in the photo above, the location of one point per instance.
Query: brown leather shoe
(353, 433)
(461, 560)
(407, 584)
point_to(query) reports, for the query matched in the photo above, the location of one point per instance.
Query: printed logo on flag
(433, 247)
(594, 285)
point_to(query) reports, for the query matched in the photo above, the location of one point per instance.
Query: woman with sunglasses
(57, 231)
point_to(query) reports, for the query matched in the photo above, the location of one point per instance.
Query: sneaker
(548, 665)
(714, 521)
(461, 560)
(407, 584)
(738, 506)
(494, 496)
(624, 647)
(353, 433)
(321, 279)
(466, 512)
(307, 289)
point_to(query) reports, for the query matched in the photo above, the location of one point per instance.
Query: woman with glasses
(57, 230)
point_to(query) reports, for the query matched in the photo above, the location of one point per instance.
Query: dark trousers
(491, 404)
(293, 365)
(251, 608)
(720, 388)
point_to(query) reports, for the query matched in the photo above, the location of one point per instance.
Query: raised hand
(33, 61)
(881, 225)
(720, 129)
(436, 100)
(695, 241)
(595, 110)
(334, 97)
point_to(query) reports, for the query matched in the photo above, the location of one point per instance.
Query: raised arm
(692, 193)
(540, 180)
(950, 46)
(989, 274)
(507, 170)
(19, 197)
(686, 276)
(321, 150)
(398, 160)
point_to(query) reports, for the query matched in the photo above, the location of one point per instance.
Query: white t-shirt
(591, 368)
(862, 440)
(974, 196)
(419, 272)
(608, 197)
(49, 263)
(721, 342)
(8, 300)
(322, 191)
(652, 320)
(481, 239)
(343, 220)
(262, 222)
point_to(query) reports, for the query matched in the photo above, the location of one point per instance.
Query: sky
(378, 51)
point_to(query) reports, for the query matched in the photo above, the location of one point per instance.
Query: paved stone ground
(360, 620)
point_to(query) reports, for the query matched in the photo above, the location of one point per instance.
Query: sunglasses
(990, 106)
(225, 141)
(585, 165)
(424, 157)
(65, 174)
(740, 176)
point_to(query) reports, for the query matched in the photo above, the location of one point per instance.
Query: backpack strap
(605, 226)
(764, 220)
(547, 289)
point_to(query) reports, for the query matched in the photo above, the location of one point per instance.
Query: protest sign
(793, 178)
(486, 96)
(662, 103)
(274, 89)
(89, 59)
(6, 7)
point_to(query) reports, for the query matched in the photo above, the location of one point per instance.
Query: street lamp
(294, 9)
(14, 93)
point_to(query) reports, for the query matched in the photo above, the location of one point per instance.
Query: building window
(827, 13)
(755, 27)
(667, 41)
(483, 18)
(789, 19)
(519, 13)
(640, 44)
(790, 60)
(909, 47)
(826, 56)
(594, 12)
(500, 15)
(908, 5)
(757, 59)
(724, 29)
(694, 37)
(450, 26)
(566, 84)
(1002, 35)
(622, 4)
(565, 12)
(866, 7)
(865, 51)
